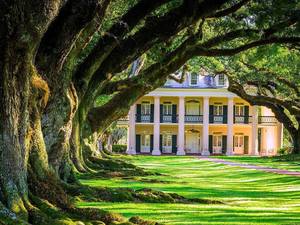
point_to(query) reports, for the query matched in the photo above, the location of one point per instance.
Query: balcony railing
(242, 119)
(125, 118)
(143, 118)
(267, 120)
(193, 119)
(169, 118)
(216, 118)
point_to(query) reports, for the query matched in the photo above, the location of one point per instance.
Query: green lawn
(251, 197)
(289, 162)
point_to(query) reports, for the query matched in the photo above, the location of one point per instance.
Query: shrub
(285, 150)
(119, 148)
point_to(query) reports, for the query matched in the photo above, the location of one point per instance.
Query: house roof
(204, 82)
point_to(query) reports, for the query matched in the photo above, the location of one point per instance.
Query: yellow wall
(240, 101)
(246, 131)
(217, 129)
(168, 129)
(223, 101)
(144, 129)
(146, 98)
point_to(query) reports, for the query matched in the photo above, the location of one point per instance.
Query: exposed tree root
(148, 195)
(9, 218)
(49, 189)
(51, 203)
(111, 167)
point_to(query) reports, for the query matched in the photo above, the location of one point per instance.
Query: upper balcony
(242, 119)
(168, 118)
(267, 120)
(193, 119)
(144, 118)
(123, 121)
(218, 119)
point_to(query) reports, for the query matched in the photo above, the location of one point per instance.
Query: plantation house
(200, 116)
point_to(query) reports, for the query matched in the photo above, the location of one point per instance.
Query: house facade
(200, 116)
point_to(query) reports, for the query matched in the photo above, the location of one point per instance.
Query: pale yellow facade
(203, 122)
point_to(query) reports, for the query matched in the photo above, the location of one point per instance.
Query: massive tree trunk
(57, 128)
(16, 71)
(22, 25)
(76, 145)
(296, 142)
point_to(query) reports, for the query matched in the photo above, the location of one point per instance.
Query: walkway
(249, 166)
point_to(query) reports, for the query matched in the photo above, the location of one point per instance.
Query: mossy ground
(52, 202)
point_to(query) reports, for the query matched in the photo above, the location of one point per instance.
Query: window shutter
(233, 143)
(151, 142)
(210, 144)
(234, 114)
(174, 113)
(151, 113)
(160, 142)
(174, 143)
(225, 109)
(161, 112)
(246, 144)
(138, 143)
(246, 114)
(224, 144)
(138, 112)
(211, 114)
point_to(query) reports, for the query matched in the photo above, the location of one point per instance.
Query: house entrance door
(192, 143)
(239, 144)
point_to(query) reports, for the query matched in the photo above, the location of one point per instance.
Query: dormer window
(194, 79)
(221, 80)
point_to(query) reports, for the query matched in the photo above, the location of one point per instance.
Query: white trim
(181, 92)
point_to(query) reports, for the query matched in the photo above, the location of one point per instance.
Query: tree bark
(22, 25)
(296, 142)
(57, 128)
(14, 133)
(76, 146)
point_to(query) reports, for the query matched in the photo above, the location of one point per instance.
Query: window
(145, 108)
(192, 108)
(218, 110)
(217, 141)
(146, 140)
(221, 80)
(167, 109)
(194, 79)
(239, 110)
(238, 141)
(167, 140)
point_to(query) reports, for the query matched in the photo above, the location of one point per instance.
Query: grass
(251, 197)
(288, 162)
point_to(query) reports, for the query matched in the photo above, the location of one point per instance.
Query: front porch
(193, 140)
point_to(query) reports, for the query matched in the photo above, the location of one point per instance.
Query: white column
(181, 114)
(156, 128)
(279, 135)
(205, 132)
(229, 150)
(131, 131)
(254, 132)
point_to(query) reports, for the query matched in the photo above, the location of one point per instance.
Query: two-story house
(200, 116)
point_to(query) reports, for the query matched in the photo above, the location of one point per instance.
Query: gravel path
(249, 166)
